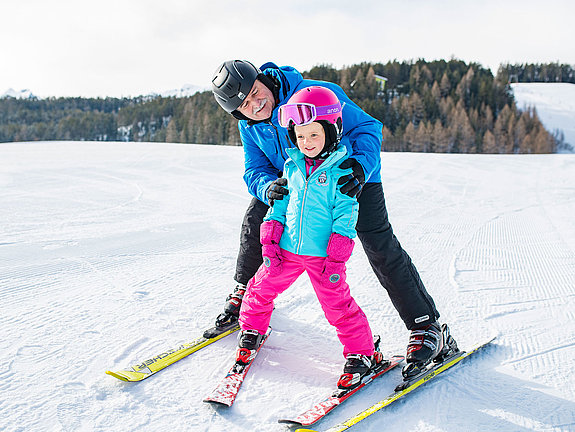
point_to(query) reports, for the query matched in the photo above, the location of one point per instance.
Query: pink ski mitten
(339, 249)
(270, 235)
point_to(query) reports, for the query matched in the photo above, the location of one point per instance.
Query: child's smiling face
(310, 139)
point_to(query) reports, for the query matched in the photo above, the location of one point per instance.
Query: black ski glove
(276, 191)
(352, 183)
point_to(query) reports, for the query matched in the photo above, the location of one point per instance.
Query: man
(253, 96)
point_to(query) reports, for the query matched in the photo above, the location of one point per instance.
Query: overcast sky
(133, 47)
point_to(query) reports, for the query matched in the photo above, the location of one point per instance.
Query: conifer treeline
(444, 107)
(540, 72)
(440, 106)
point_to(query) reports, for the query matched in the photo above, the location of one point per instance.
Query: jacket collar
(299, 158)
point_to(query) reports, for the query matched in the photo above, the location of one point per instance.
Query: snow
(18, 94)
(555, 105)
(185, 91)
(112, 252)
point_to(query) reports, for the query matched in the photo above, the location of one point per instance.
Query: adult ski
(322, 408)
(142, 370)
(228, 388)
(406, 387)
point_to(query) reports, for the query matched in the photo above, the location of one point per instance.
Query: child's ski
(321, 409)
(142, 370)
(227, 390)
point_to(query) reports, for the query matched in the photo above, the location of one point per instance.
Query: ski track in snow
(111, 253)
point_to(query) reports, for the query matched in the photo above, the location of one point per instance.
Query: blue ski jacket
(313, 209)
(265, 143)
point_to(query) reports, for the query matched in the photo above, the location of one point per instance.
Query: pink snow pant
(338, 305)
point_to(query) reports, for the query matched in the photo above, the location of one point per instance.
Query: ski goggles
(302, 114)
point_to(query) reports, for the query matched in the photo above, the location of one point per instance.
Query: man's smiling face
(259, 103)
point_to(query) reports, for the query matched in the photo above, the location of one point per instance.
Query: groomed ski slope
(113, 252)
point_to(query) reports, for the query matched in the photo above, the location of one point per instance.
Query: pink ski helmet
(311, 104)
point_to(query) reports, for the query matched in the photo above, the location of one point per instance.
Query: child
(311, 230)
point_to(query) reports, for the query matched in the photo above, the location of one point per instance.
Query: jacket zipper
(301, 217)
(307, 179)
(299, 243)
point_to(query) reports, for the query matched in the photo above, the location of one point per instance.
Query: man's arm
(259, 172)
(364, 132)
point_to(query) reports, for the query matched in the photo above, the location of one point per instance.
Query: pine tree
(172, 134)
(445, 85)
(345, 80)
(435, 92)
(460, 131)
(489, 144)
(416, 108)
(409, 138)
(422, 139)
(439, 138)
(501, 130)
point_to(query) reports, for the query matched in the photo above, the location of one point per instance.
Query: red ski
(321, 409)
(227, 390)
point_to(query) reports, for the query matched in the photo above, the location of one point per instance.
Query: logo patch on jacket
(322, 179)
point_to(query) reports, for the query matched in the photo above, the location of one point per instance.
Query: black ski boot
(358, 366)
(427, 344)
(248, 343)
(229, 318)
(234, 301)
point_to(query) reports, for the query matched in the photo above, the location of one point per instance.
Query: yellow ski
(141, 371)
(422, 379)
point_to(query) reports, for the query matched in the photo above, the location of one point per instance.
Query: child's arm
(340, 245)
(271, 231)
(270, 235)
(345, 213)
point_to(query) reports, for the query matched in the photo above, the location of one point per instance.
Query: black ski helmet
(233, 82)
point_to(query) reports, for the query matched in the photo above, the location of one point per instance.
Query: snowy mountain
(113, 252)
(18, 94)
(186, 91)
(555, 104)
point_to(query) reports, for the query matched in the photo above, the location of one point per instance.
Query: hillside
(434, 107)
(555, 104)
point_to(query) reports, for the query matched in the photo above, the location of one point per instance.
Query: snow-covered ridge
(186, 91)
(18, 94)
(555, 105)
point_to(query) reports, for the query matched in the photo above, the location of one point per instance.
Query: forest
(439, 106)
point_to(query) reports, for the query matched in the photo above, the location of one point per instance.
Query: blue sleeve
(259, 171)
(364, 132)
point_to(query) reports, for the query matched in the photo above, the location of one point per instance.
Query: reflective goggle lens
(300, 114)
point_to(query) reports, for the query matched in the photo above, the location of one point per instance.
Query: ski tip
(128, 376)
(118, 376)
(291, 423)
(217, 403)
